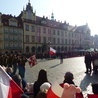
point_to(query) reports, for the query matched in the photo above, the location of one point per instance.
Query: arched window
(27, 49)
(33, 49)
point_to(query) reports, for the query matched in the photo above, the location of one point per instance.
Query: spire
(52, 16)
(29, 7)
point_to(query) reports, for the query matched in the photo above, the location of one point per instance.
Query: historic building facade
(11, 34)
(30, 33)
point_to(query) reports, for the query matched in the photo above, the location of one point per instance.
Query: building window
(27, 27)
(16, 37)
(6, 44)
(53, 32)
(44, 30)
(33, 38)
(27, 38)
(12, 22)
(20, 45)
(65, 33)
(38, 30)
(58, 32)
(11, 44)
(33, 28)
(11, 30)
(44, 39)
(62, 41)
(6, 36)
(62, 33)
(38, 38)
(15, 30)
(54, 41)
(11, 37)
(65, 41)
(49, 31)
(15, 45)
(58, 40)
(6, 29)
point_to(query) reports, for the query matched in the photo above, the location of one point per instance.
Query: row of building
(29, 33)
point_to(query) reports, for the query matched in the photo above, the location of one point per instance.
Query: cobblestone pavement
(56, 72)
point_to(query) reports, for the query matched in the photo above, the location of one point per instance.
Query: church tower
(52, 16)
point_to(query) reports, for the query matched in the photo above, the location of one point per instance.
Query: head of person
(17, 79)
(69, 76)
(42, 76)
(45, 85)
(9, 70)
(42, 94)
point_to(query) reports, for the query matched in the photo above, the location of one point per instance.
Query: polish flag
(52, 51)
(32, 61)
(55, 91)
(8, 88)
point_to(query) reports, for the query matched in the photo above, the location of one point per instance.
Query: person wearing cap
(68, 78)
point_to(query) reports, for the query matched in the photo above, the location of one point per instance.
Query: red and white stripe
(32, 61)
(8, 88)
(52, 51)
(55, 91)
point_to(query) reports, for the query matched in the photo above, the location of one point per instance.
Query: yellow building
(30, 33)
(11, 34)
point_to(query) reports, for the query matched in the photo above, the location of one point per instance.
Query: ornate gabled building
(37, 34)
(11, 33)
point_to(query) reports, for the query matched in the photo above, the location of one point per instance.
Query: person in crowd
(87, 60)
(95, 62)
(68, 78)
(17, 79)
(42, 94)
(42, 78)
(61, 57)
(9, 71)
(15, 62)
(20, 82)
(43, 90)
(21, 65)
(9, 60)
(95, 88)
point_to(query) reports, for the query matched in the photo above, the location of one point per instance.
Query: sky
(74, 12)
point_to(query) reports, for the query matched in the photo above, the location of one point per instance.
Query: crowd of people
(91, 62)
(41, 86)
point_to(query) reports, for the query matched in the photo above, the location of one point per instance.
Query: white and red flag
(55, 91)
(52, 51)
(32, 61)
(8, 88)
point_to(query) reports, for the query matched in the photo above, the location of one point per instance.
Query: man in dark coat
(87, 61)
